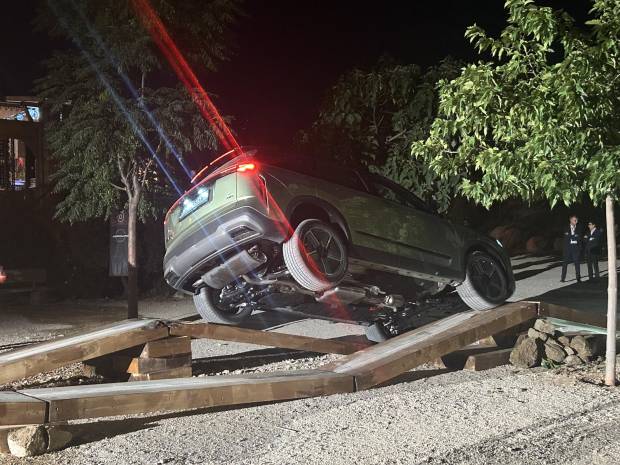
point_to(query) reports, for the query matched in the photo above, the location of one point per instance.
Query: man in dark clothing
(572, 247)
(594, 242)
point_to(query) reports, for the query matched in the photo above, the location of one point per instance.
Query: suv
(264, 232)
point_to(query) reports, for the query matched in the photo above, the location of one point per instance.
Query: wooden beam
(168, 347)
(387, 360)
(39, 358)
(90, 401)
(488, 360)
(578, 316)
(147, 365)
(264, 338)
(181, 372)
(20, 409)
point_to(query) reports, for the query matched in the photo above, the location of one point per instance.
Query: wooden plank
(91, 401)
(147, 365)
(571, 314)
(20, 409)
(39, 358)
(456, 360)
(488, 360)
(181, 372)
(167, 347)
(387, 360)
(264, 338)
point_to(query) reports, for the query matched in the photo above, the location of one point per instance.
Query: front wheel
(215, 306)
(485, 285)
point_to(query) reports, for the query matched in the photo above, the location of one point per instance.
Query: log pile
(545, 345)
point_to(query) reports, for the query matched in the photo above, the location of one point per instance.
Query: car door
(423, 240)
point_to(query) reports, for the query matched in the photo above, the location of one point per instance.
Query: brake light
(246, 167)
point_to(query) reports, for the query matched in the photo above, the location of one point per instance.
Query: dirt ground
(431, 415)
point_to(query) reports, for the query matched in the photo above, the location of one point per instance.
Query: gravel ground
(500, 416)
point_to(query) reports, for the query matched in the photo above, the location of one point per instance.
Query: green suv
(264, 232)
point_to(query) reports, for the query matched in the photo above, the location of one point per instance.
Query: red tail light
(246, 167)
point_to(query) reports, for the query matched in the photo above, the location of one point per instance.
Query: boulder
(544, 327)
(536, 245)
(527, 354)
(564, 340)
(573, 360)
(588, 346)
(554, 351)
(510, 237)
(58, 438)
(535, 334)
(28, 441)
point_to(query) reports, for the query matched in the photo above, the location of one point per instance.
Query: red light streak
(159, 33)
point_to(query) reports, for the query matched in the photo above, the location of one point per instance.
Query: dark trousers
(572, 256)
(593, 265)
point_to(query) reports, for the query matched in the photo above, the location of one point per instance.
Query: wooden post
(612, 294)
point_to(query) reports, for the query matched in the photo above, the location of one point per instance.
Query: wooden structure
(158, 343)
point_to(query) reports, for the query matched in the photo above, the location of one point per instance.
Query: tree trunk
(612, 294)
(132, 257)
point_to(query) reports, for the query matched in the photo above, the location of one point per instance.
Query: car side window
(339, 175)
(391, 191)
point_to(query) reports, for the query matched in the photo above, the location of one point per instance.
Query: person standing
(572, 247)
(594, 243)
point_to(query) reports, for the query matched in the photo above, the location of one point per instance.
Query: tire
(207, 308)
(486, 284)
(314, 238)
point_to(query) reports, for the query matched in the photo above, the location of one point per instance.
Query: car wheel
(316, 255)
(211, 309)
(485, 285)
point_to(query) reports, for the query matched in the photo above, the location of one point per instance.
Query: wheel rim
(487, 278)
(323, 251)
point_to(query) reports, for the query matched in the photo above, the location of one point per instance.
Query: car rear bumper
(207, 247)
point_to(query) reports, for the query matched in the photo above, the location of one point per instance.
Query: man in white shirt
(572, 247)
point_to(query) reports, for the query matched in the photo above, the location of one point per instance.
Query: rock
(58, 438)
(535, 334)
(544, 327)
(527, 354)
(28, 441)
(569, 350)
(564, 340)
(510, 237)
(554, 351)
(536, 244)
(519, 339)
(588, 346)
(573, 360)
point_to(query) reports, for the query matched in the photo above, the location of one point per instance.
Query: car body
(252, 199)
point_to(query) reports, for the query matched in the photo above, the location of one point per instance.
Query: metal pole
(612, 294)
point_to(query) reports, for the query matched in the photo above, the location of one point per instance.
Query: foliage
(370, 117)
(100, 90)
(541, 119)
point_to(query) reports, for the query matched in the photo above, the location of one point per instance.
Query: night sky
(288, 54)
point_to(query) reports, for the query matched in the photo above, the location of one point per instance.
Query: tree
(119, 132)
(539, 120)
(370, 117)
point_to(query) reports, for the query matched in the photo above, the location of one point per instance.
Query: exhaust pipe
(236, 266)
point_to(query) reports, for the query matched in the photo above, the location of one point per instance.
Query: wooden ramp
(389, 359)
(266, 338)
(359, 370)
(39, 358)
(75, 402)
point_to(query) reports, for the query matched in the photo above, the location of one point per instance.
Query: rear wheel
(485, 285)
(217, 306)
(316, 255)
